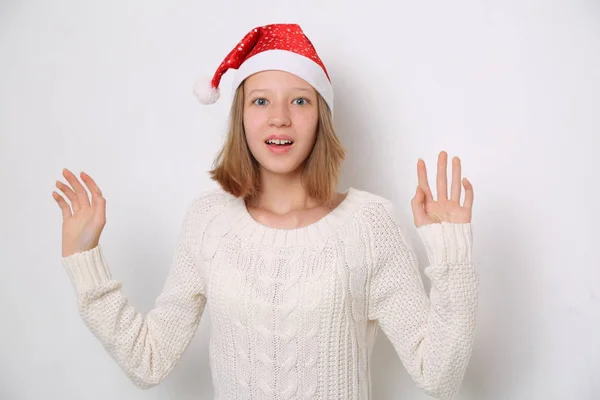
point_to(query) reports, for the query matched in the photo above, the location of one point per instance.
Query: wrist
(87, 270)
(447, 243)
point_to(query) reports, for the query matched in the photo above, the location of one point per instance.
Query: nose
(279, 115)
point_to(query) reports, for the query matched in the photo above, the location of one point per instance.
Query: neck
(282, 194)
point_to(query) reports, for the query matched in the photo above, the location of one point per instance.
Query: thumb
(99, 203)
(417, 204)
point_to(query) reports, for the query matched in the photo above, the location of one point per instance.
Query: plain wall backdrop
(511, 87)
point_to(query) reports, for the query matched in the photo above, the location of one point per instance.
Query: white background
(105, 87)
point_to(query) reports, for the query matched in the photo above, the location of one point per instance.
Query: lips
(279, 148)
(275, 142)
(279, 137)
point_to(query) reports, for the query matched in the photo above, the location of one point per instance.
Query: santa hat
(282, 47)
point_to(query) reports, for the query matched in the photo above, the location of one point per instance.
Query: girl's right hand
(83, 224)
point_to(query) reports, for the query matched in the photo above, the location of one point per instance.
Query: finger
(80, 191)
(91, 185)
(70, 195)
(442, 178)
(417, 205)
(100, 211)
(469, 195)
(66, 210)
(98, 201)
(456, 172)
(422, 179)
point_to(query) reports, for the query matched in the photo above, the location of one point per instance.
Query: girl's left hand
(426, 210)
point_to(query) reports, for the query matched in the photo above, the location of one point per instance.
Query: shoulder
(381, 218)
(385, 230)
(204, 206)
(375, 208)
(209, 199)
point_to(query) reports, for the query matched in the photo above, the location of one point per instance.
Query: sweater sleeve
(146, 347)
(432, 334)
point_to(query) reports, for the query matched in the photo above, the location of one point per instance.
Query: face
(280, 120)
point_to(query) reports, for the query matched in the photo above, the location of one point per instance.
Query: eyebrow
(267, 90)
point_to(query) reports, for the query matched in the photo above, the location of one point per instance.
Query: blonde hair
(237, 171)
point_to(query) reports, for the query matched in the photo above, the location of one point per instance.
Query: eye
(301, 101)
(261, 101)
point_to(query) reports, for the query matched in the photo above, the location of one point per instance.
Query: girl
(297, 278)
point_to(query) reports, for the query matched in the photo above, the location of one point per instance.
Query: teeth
(278, 141)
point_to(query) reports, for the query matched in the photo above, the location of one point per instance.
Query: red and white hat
(282, 47)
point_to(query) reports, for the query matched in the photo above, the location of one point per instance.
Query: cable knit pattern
(294, 312)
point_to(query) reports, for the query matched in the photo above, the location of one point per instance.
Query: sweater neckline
(256, 232)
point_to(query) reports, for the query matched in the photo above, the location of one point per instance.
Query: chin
(281, 164)
(281, 168)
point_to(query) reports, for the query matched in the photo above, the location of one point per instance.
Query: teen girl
(297, 277)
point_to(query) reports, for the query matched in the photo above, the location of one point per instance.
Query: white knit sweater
(294, 312)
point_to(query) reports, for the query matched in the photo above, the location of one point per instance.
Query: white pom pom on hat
(205, 91)
(282, 47)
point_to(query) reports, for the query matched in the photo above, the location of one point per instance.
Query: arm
(432, 335)
(145, 347)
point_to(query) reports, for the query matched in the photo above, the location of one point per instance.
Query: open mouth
(279, 143)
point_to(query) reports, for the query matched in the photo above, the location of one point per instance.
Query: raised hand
(426, 210)
(83, 221)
